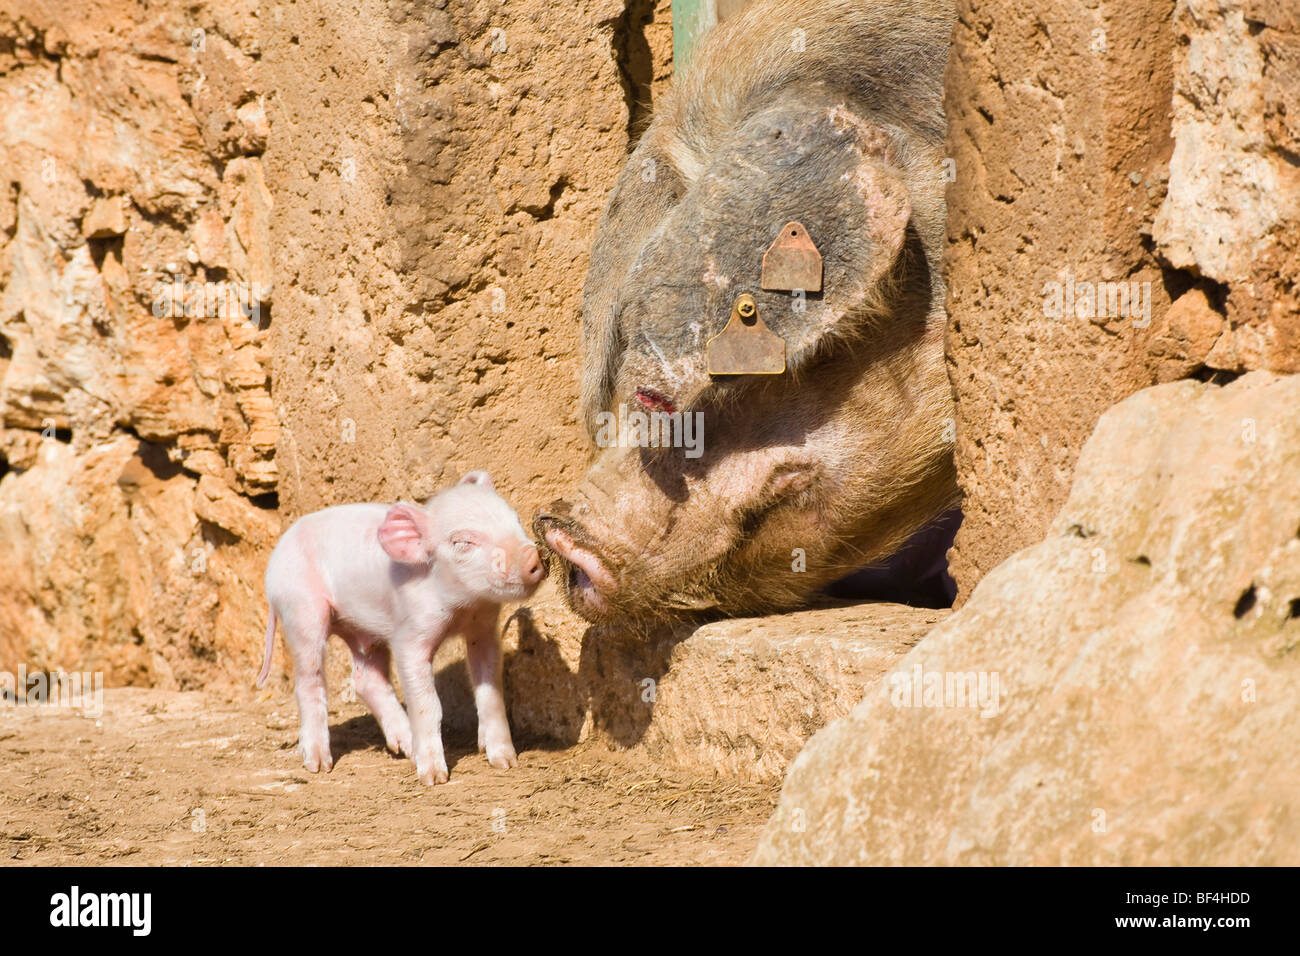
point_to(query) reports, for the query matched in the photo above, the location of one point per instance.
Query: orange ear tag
(792, 262)
(746, 346)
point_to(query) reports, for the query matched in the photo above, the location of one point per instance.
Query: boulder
(738, 698)
(1126, 691)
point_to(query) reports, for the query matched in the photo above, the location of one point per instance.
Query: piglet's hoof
(433, 775)
(317, 757)
(400, 742)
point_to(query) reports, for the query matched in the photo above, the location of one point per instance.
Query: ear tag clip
(792, 262)
(746, 346)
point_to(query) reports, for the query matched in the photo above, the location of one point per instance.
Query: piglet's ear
(481, 478)
(406, 534)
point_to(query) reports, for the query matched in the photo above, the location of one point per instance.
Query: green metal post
(691, 20)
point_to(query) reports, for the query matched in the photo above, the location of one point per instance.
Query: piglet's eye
(462, 545)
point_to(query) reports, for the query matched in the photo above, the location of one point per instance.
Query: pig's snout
(523, 564)
(530, 565)
(590, 581)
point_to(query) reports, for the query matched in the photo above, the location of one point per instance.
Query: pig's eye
(464, 541)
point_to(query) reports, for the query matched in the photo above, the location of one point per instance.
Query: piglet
(395, 581)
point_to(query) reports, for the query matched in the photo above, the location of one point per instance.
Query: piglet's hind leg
(306, 632)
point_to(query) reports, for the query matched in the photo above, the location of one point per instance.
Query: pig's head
(776, 485)
(471, 541)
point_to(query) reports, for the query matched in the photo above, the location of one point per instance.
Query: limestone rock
(127, 369)
(742, 697)
(1058, 138)
(107, 218)
(1231, 187)
(98, 549)
(1146, 145)
(436, 189)
(1148, 705)
(429, 226)
(1191, 334)
(737, 697)
(1233, 200)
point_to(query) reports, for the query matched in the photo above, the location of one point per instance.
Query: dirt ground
(164, 778)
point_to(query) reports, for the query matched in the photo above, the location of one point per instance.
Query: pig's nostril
(532, 566)
(549, 517)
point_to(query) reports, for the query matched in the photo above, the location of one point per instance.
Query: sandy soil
(192, 779)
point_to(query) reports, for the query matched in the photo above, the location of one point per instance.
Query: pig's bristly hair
(880, 59)
(884, 57)
(875, 66)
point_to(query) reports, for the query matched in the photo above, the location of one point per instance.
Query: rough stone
(437, 174)
(383, 179)
(107, 218)
(127, 368)
(739, 697)
(1150, 144)
(1233, 201)
(112, 566)
(1146, 661)
(743, 696)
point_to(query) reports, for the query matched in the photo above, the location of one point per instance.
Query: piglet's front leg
(483, 655)
(414, 658)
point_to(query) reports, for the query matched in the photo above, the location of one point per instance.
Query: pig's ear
(844, 178)
(480, 478)
(406, 534)
(861, 235)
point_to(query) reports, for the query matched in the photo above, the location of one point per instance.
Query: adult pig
(826, 113)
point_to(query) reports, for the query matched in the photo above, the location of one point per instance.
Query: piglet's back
(334, 549)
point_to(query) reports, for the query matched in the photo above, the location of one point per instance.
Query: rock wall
(1120, 685)
(139, 436)
(438, 169)
(258, 258)
(1129, 153)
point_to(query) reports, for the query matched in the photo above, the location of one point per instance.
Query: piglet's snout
(526, 566)
(530, 565)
